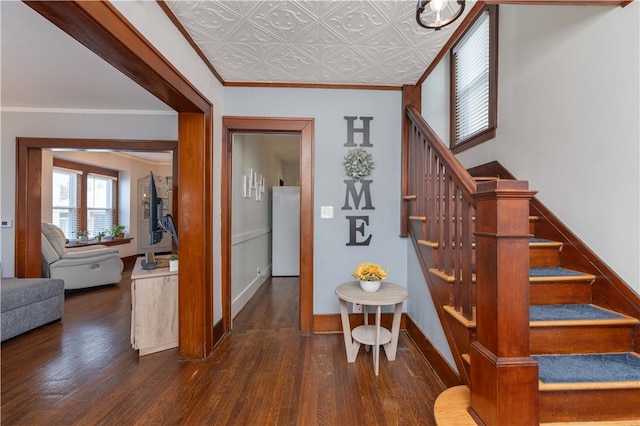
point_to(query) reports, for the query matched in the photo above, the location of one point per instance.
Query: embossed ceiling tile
(231, 61)
(258, 51)
(275, 72)
(366, 75)
(205, 19)
(395, 62)
(250, 32)
(344, 60)
(329, 41)
(286, 20)
(401, 61)
(353, 21)
(292, 60)
(388, 36)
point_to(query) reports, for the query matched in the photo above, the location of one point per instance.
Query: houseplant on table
(117, 232)
(173, 262)
(370, 276)
(83, 236)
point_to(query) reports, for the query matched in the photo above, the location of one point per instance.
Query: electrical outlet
(7, 223)
(357, 308)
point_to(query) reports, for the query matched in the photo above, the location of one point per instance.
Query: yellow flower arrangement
(370, 272)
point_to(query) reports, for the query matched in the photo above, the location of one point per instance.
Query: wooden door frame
(305, 128)
(29, 182)
(100, 27)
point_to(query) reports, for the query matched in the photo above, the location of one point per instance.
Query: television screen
(155, 212)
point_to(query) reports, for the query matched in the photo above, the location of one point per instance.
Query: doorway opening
(265, 215)
(29, 177)
(304, 127)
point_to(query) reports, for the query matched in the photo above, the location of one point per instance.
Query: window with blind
(84, 198)
(474, 83)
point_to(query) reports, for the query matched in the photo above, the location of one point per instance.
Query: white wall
(333, 261)
(64, 125)
(435, 99)
(568, 108)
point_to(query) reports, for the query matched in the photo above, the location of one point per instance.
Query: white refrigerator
(285, 242)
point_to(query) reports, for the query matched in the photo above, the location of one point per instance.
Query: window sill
(95, 242)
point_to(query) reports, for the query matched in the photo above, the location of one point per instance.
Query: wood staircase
(452, 261)
(569, 402)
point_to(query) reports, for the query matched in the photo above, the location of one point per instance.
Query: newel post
(504, 378)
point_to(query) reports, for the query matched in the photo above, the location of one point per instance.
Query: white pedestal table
(371, 335)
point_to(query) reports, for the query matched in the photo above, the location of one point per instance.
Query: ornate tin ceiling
(313, 42)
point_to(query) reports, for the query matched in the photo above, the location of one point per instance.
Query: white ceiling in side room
(42, 67)
(364, 42)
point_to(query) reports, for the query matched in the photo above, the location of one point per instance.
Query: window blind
(101, 202)
(66, 197)
(471, 78)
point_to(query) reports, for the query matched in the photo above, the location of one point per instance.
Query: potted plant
(370, 276)
(173, 262)
(117, 232)
(83, 236)
(101, 235)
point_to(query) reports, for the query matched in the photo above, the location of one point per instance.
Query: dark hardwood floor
(83, 371)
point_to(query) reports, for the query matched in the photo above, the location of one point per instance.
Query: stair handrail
(444, 179)
(470, 230)
(459, 173)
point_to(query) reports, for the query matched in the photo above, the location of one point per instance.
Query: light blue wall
(333, 261)
(422, 310)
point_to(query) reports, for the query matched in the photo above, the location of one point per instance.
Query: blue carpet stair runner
(613, 367)
(553, 272)
(569, 312)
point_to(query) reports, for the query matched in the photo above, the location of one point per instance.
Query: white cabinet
(154, 309)
(163, 188)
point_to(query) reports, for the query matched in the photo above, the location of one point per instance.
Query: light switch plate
(6, 223)
(326, 212)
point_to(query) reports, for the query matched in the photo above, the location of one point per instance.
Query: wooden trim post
(411, 96)
(504, 378)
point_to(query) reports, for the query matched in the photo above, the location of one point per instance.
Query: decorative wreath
(358, 163)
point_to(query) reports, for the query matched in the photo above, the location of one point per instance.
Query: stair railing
(457, 214)
(444, 205)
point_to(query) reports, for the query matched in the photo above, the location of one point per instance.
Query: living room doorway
(29, 176)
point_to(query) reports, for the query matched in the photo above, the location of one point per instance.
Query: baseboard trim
(445, 372)
(243, 298)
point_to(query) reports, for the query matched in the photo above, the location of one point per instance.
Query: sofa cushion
(15, 293)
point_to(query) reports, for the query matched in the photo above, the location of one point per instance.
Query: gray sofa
(27, 303)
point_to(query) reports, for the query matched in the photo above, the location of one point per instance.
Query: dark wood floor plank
(83, 371)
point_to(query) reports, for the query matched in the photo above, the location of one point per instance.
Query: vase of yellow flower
(370, 276)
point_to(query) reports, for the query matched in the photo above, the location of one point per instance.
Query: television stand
(154, 307)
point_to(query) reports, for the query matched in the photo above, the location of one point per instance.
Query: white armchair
(79, 267)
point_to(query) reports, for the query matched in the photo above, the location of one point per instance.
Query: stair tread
(451, 407)
(539, 274)
(548, 273)
(609, 370)
(566, 312)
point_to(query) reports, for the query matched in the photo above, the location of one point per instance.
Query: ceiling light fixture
(440, 13)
